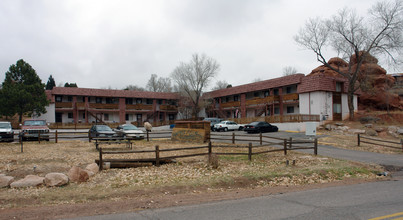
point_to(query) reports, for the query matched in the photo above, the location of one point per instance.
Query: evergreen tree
(23, 91)
(51, 83)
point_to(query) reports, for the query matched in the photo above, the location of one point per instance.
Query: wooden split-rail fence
(378, 142)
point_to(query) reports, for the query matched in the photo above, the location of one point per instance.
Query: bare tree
(191, 78)
(289, 70)
(160, 84)
(354, 38)
(134, 87)
(221, 84)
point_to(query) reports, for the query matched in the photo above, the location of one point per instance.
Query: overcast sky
(115, 43)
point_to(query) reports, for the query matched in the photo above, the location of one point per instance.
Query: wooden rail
(285, 146)
(374, 141)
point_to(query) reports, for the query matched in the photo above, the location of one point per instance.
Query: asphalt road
(361, 201)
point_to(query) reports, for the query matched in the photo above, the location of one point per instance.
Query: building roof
(257, 86)
(321, 83)
(111, 93)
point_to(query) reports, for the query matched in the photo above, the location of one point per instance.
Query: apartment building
(297, 94)
(83, 105)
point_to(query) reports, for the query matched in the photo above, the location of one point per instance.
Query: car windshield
(254, 123)
(103, 128)
(5, 125)
(129, 127)
(34, 123)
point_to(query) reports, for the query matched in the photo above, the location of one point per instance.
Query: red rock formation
(375, 83)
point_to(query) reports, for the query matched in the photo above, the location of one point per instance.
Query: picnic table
(109, 141)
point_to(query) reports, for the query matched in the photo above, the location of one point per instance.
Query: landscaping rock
(5, 181)
(356, 131)
(56, 179)
(400, 131)
(94, 168)
(369, 119)
(393, 129)
(342, 128)
(329, 127)
(76, 174)
(339, 124)
(30, 180)
(90, 173)
(371, 132)
(379, 129)
(368, 125)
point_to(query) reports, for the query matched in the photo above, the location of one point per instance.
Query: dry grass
(191, 173)
(349, 141)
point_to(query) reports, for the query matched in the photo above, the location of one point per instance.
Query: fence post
(285, 146)
(157, 155)
(101, 164)
(21, 140)
(56, 137)
(233, 137)
(260, 137)
(358, 139)
(250, 152)
(210, 151)
(148, 137)
(315, 147)
(401, 143)
(290, 142)
(39, 137)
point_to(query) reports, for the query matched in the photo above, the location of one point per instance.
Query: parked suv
(6, 131)
(33, 127)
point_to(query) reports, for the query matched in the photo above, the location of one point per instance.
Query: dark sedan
(101, 131)
(260, 127)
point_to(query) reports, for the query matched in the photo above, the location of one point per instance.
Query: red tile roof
(111, 93)
(321, 83)
(257, 86)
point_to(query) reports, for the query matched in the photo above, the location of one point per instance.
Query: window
(106, 117)
(275, 91)
(256, 94)
(149, 101)
(288, 89)
(290, 109)
(83, 98)
(171, 117)
(276, 111)
(129, 101)
(59, 98)
(108, 100)
(84, 115)
(266, 93)
(236, 98)
(159, 101)
(69, 98)
(339, 87)
(139, 101)
(127, 117)
(227, 99)
(70, 115)
(98, 100)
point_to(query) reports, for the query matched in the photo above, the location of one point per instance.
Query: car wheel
(225, 129)
(240, 128)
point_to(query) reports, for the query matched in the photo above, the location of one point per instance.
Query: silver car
(129, 131)
(6, 131)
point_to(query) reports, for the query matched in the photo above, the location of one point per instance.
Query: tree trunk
(20, 117)
(350, 100)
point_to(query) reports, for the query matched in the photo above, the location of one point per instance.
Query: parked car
(129, 131)
(260, 126)
(31, 129)
(227, 126)
(6, 131)
(101, 131)
(213, 121)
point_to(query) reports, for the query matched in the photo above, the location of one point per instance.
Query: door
(337, 106)
(59, 117)
(139, 120)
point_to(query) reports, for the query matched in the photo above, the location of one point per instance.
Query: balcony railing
(64, 105)
(139, 107)
(230, 104)
(278, 119)
(103, 106)
(265, 100)
(168, 108)
(293, 96)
